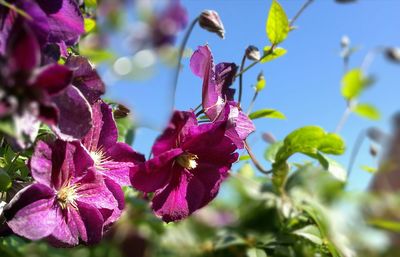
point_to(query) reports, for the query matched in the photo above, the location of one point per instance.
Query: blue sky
(304, 84)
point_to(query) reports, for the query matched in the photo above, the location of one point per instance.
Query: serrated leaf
(89, 24)
(272, 150)
(367, 111)
(267, 113)
(277, 23)
(276, 53)
(310, 232)
(354, 83)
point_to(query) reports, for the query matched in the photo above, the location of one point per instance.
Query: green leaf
(126, 131)
(228, 240)
(277, 23)
(277, 52)
(260, 85)
(354, 83)
(267, 113)
(255, 252)
(389, 225)
(310, 140)
(244, 158)
(7, 127)
(90, 24)
(5, 181)
(368, 169)
(91, 3)
(310, 232)
(97, 55)
(367, 111)
(333, 167)
(272, 150)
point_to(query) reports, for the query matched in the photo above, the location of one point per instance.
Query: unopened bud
(260, 85)
(268, 137)
(376, 135)
(121, 111)
(210, 21)
(373, 150)
(393, 54)
(345, 42)
(252, 53)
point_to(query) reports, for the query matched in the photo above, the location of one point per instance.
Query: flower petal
(178, 127)
(41, 163)
(155, 173)
(86, 78)
(93, 222)
(36, 220)
(118, 194)
(64, 235)
(22, 48)
(53, 78)
(75, 114)
(170, 203)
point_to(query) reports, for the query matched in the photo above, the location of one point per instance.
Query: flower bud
(345, 42)
(121, 111)
(252, 53)
(260, 82)
(393, 54)
(210, 21)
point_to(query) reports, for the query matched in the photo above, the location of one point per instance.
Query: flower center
(99, 158)
(67, 196)
(187, 160)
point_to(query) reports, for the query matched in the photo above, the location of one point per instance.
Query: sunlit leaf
(367, 111)
(267, 113)
(277, 23)
(368, 169)
(389, 225)
(334, 168)
(310, 232)
(277, 52)
(353, 84)
(244, 158)
(90, 24)
(91, 3)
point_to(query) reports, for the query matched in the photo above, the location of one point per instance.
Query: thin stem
(199, 113)
(356, 149)
(15, 9)
(344, 119)
(252, 102)
(255, 161)
(300, 11)
(180, 55)
(295, 18)
(241, 78)
(197, 107)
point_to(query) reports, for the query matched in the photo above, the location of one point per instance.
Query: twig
(255, 161)
(252, 102)
(241, 78)
(180, 55)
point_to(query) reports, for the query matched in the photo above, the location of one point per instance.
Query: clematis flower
(217, 96)
(44, 93)
(69, 202)
(52, 21)
(190, 162)
(111, 158)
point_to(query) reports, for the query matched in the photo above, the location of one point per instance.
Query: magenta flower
(70, 202)
(43, 92)
(111, 158)
(190, 162)
(217, 96)
(52, 21)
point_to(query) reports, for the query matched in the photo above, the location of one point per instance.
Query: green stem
(356, 149)
(252, 102)
(180, 55)
(241, 78)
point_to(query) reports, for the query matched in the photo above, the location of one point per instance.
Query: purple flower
(168, 23)
(43, 92)
(112, 159)
(190, 162)
(69, 202)
(217, 96)
(52, 21)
